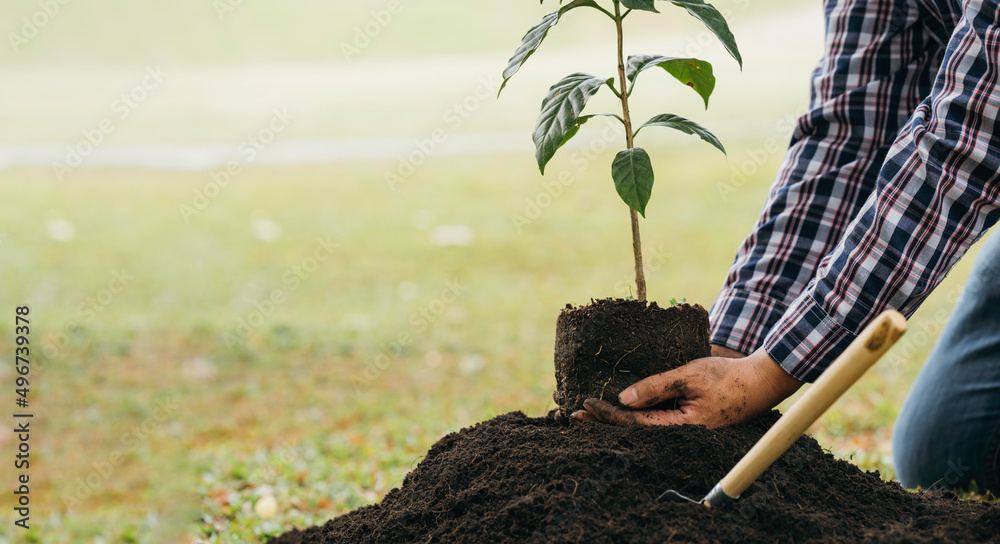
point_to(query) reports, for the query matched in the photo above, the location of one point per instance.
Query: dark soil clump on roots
(609, 344)
(520, 479)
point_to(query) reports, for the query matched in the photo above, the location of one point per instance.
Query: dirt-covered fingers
(656, 389)
(582, 415)
(605, 412)
(561, 419)
(660, 417)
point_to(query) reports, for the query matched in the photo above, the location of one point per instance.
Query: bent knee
(940, 457)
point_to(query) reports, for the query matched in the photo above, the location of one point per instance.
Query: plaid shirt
(889, 179)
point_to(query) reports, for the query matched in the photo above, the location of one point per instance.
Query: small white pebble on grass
(199, 369)
(471, 364)
(455, 315)
(266, 507)
(314, 414)
(176, 429)
(433, 359)
(422, 219)
(407, 290)
(359, 322)
(266, 230)
(60, 230)
(452, 235)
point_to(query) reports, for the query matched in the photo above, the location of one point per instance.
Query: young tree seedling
(562, 108)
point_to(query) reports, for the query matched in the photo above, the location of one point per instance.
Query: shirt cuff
(740, 320)
(806, 340)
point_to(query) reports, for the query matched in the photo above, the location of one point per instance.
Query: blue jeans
(948, 432)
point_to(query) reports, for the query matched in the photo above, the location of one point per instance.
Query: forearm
(776, 384)
(937, 193)
(873, 75)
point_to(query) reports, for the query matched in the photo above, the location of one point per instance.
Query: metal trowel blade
(672, 496)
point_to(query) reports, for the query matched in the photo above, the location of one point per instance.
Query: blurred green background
(223, 352)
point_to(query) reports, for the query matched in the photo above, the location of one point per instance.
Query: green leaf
(677, 122)
(533, 39)
(633, 175)
(579, 123)
(706, 13)
(645, 5)
(694, 73)
(560, 113)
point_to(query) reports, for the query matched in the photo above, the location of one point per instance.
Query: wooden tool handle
(871, 344)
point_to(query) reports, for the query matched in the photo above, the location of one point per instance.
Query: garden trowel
(871, 344)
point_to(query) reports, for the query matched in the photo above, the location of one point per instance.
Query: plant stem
(640, 277)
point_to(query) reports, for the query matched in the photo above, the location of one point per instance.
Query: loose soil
(608, 345)
(520, 479)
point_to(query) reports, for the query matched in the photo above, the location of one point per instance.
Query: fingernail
(577, 414)
(628, 396)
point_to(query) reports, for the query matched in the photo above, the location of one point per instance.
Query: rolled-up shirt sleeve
(937, 192)
(878, 66)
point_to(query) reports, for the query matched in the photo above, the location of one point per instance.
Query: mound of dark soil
(520, 479)
(609, 344)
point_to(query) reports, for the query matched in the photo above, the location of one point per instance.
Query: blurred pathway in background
(198, 118)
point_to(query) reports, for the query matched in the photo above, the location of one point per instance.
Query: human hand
(723, 351)
(714, 391)
(717, 351)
